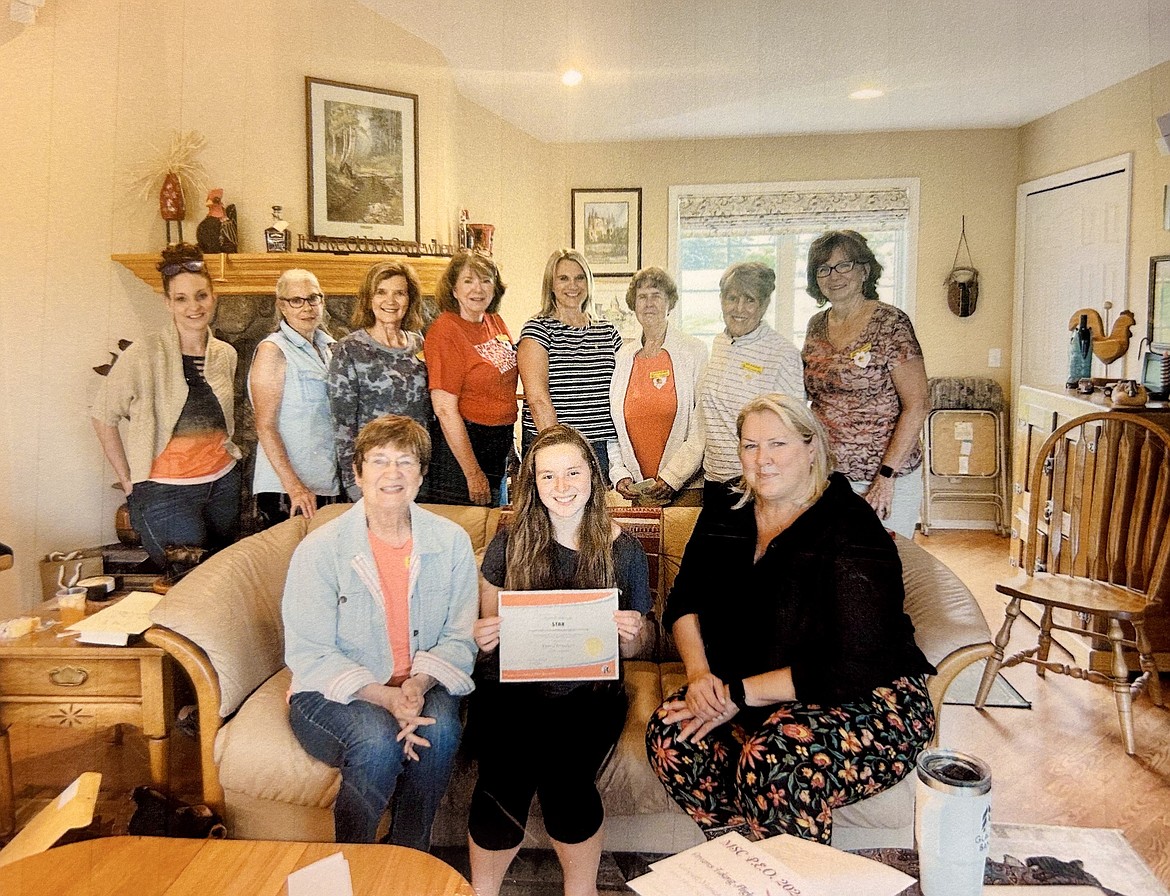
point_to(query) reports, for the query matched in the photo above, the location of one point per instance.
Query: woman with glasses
(175, 391)
(296, 463)
(378, 368)
(471, 364)
(378, 609)
(865, 376)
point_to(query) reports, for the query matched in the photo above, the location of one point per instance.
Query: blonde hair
(548, 303)
(795, 414)
(531, 548)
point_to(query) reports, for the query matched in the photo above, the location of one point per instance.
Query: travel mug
(952, 822)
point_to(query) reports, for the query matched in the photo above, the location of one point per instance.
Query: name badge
(862, 356)
(752, 368)
(658, 378)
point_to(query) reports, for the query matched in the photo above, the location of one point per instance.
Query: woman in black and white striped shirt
(566, 357)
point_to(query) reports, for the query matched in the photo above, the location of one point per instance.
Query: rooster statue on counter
(217, 232)
(1107, 347)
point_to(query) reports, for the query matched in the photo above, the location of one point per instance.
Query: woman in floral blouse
(866, 379)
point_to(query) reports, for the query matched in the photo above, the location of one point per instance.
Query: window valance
(747, 213)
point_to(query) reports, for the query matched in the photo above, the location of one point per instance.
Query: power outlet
(995, 357)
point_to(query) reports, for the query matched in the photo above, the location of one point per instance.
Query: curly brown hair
(478, 262)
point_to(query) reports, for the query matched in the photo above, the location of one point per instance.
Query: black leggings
(556, 751)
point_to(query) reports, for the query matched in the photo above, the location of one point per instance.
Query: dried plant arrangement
(173, 174)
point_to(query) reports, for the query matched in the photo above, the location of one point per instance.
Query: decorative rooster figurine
(217, 232)
(1107, 348)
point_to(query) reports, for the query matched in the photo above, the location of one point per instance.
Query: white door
(1072, 240)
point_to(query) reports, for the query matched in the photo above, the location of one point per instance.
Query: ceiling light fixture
(572, 77)
(867, 93)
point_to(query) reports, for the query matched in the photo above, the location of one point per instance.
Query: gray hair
(290, 278)
(753, 277)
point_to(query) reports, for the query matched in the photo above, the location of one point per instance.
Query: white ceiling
(656, 69)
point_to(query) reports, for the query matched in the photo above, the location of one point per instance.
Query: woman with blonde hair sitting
(805, 690)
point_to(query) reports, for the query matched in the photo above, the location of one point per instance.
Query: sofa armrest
(194, 661)
(948, 669)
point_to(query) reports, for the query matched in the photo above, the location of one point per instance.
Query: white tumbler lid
(950, 771)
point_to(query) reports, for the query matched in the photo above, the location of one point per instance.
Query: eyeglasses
(313, 299)
(193, 266)
(841, 267)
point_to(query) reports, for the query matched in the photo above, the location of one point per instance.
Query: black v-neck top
(824, 599)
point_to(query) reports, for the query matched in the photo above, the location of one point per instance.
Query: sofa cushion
(628, 785)
(230, 607)
(258, 754)
(945, 614)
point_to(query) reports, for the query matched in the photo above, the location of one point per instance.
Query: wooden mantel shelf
(251, 274)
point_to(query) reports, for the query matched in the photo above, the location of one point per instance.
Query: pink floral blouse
(852, 391)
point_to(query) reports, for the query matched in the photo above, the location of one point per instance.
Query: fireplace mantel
(251, 274)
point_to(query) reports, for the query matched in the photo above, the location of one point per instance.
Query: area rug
(1049, 855)
(966, 685)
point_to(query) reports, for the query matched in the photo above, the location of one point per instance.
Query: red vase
(170, 199)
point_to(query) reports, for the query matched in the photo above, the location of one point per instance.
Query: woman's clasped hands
(705, 707)
(405, 703)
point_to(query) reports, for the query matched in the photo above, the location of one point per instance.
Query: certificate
(558, 635)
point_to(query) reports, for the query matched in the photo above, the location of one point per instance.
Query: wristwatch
(886, 472)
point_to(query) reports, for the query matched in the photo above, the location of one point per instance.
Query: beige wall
(970, 173)
(88, 91)
(1117, 120)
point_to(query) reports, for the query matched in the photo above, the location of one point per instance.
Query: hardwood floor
(1063, 761)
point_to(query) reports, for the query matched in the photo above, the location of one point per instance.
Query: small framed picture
(607, 229)
(363, 161)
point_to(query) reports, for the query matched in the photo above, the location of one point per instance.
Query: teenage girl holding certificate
(560, 537)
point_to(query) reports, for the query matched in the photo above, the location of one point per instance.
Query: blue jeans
(359, 739)
(204, 515)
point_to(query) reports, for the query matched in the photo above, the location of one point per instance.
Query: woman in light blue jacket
(378, 612)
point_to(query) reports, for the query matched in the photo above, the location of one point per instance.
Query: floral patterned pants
(783, 769)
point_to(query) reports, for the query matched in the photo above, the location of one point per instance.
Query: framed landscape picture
(1158, 325)
(363, 161)
(607, 229)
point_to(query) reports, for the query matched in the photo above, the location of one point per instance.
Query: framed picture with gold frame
(363, 161)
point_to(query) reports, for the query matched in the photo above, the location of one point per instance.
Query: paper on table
(327, 877)
(730, 864)
(114, 625)
(833, 870)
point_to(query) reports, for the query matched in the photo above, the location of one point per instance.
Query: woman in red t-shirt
(472, 373)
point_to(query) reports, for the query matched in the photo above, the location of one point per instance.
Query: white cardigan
(683, 454)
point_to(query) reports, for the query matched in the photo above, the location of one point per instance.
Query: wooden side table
(55, 682)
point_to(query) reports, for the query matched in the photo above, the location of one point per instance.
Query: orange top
(651, 406)
(197, 456)
(394, 576)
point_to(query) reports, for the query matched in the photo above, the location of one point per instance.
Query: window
(715, 226)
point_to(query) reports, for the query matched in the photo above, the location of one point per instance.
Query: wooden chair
(1097, 550)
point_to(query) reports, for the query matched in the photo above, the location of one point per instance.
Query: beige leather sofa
(222, 624)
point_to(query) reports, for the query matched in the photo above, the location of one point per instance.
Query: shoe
(180, 560)
(187, 720)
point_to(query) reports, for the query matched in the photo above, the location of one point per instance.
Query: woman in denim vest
(296, 462)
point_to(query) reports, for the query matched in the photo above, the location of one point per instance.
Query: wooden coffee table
(158, 866)
(55, 682)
